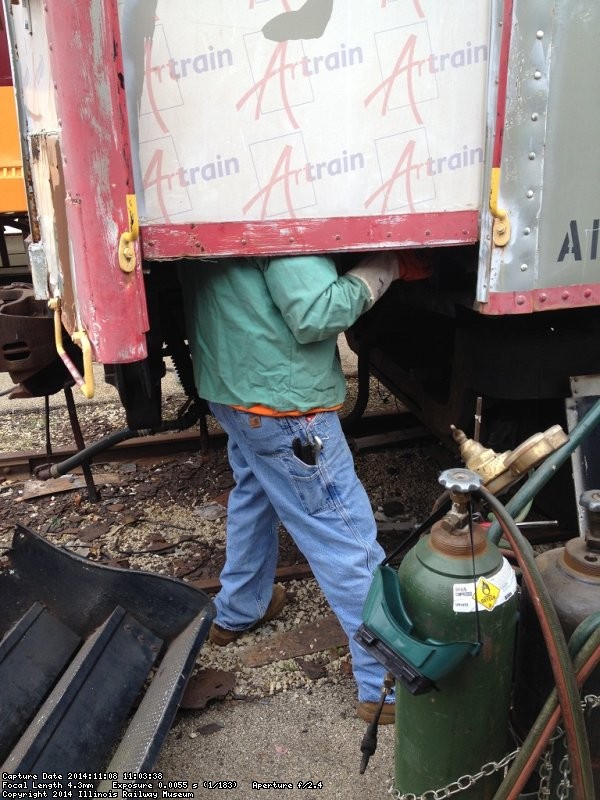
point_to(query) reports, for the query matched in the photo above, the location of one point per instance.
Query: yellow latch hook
(501, 225)
(85, 383)
(126, 240)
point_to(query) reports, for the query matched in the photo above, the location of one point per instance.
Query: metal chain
(455, 787)
(564, 787)
(545, 772)
(589, 702)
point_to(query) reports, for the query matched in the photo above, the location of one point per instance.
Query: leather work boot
(367, 711)
(223, 636)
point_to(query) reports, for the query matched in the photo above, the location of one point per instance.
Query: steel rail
(375, 430)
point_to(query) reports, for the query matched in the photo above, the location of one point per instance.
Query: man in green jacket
(263, 335)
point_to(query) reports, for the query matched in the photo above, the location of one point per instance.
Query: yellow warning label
(486, 593)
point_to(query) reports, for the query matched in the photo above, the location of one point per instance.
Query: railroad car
(156, 132)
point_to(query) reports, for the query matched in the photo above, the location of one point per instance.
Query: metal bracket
(585, 459)
(501, 227)
(126, 250)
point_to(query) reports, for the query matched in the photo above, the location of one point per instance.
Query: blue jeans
(324, 508)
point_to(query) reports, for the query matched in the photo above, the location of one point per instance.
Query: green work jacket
(264, 331)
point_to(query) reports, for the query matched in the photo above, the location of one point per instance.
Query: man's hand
(414, 265)
(379, 270)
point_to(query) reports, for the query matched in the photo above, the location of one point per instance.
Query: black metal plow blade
(93, 663)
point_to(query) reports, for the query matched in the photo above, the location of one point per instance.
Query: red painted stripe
(552, 299)
(5, 71)
(309, 235)
(502, 82)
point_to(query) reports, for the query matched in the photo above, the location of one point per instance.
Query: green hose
(562, 666)
(543, 474)
(584, 642)
(582, 633)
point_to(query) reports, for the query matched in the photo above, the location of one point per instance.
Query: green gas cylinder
(445, 737)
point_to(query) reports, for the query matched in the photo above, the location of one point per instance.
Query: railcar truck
(156, 131)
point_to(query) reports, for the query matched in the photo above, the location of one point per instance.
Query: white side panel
(35, 80)
(379, 109)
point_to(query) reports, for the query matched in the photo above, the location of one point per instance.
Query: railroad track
(372, 431)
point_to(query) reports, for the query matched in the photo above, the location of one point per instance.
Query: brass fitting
(489, 465)
(498, 471)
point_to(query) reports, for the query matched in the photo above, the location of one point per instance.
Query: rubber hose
(364, 385)
(536, 741)
(548, 468)
(64, 467)
(582, 633)
(186, 420)
(562, 666)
